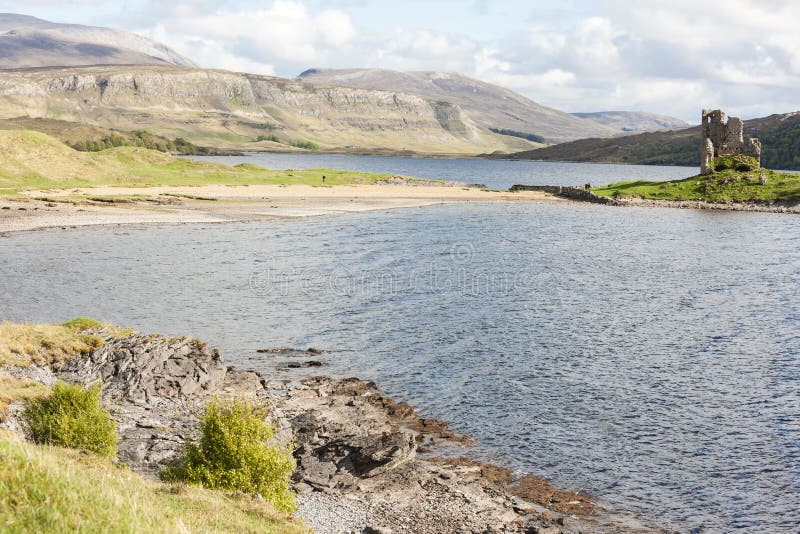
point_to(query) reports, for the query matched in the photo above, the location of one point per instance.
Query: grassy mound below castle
(734, 179)
(33, 160)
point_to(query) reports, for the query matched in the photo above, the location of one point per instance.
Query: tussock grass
(19, 389)
(43, 344)
(52, 490)
(40, 344)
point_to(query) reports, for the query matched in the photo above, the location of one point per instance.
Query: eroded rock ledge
(358, 467)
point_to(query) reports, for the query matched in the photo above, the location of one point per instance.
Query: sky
(672, 57)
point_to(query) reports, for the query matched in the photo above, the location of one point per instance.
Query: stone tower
(724, 138)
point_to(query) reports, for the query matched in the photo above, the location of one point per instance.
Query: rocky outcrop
(155, 387)
(363, 459)
(563, 191)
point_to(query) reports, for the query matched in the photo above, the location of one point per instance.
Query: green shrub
(272, 137)
(738, 162)
(72, 417)
(234, 454)
(305, 145)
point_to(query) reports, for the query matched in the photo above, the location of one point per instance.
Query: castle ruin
(724, 138)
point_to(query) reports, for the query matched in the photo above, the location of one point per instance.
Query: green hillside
(32, 160)
(779, 134)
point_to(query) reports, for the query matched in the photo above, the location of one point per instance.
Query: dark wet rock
(310, 363)
(277, 351)
(313, 350)
(540, 491)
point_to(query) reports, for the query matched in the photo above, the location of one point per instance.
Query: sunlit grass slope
(33, 160)
(52, 490)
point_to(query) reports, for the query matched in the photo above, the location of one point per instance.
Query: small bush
(272, 137)
(305, 145)
(233, 454)
(738, 162)
(81, 324)
(72, 417)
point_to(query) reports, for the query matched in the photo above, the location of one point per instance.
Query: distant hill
(628, 122)
(779, 134)
(234, 111)
(28, 42)
(490, 106)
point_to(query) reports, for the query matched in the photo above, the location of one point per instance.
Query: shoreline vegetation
(363, 462)
(736, 183)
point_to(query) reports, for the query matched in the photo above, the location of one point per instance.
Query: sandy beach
(38, 209)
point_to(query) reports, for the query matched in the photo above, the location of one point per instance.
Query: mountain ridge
(230, 110)
(491, 105)
(628, 122)
(30, 42)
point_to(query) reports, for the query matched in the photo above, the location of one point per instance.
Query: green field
(723, 186)
(32, 160)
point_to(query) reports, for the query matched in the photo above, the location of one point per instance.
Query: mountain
(627, 122)
(490, 106)
(83, 83)
(779, 134)
(228, 110)
(27, 42)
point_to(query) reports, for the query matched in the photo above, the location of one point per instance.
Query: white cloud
(283, 34)
(667, 56)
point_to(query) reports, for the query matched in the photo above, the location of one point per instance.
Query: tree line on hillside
(781, 146)
(522, 135)
(143, 139)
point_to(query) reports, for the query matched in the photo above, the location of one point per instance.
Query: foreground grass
(53, 490)
(724, 186)
(32, 160)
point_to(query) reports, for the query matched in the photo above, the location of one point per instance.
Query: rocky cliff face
(232, 110)
(490, 106)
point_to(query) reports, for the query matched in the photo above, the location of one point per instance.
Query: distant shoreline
(37, 210)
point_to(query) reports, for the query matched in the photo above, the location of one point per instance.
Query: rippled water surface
(494, 174)
(648, 356)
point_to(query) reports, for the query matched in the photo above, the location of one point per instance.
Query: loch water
(650, 357)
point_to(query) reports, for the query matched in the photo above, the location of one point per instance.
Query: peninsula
(45, 183)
